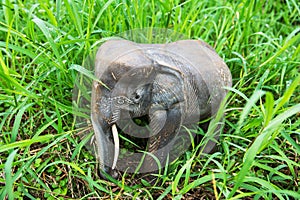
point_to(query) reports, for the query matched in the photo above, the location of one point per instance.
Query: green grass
(42, 45)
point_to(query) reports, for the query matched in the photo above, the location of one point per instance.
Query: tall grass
(43, 43)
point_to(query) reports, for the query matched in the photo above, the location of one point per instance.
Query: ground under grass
(41, 153)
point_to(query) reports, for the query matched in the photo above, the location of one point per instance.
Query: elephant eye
(138, 94)
(120, 101)
(137, 97)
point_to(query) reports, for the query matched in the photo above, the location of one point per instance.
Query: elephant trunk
(108, 143)
(106, 131)
(105, 148)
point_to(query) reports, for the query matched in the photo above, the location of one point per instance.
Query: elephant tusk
(117, 144)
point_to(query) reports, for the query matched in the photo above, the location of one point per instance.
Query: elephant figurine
(168, 87)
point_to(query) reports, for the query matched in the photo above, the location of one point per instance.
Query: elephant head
(162, 83)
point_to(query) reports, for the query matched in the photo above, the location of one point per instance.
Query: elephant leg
(165, 125)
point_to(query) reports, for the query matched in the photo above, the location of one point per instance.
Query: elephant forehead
(126, 89)
(142, 72)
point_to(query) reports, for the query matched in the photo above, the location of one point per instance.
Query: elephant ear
(189, 81)
(168, 86)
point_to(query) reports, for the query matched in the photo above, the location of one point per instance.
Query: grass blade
(25, 143)
(288, 93)
(73, 165)
(259, 144)
(86, 72)
(19, 89)
(269, 106)
(8, 175)
(42, 25)
(185, 167)
(17, 122)
(73, 13)
(289, 43)
(200, 181)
